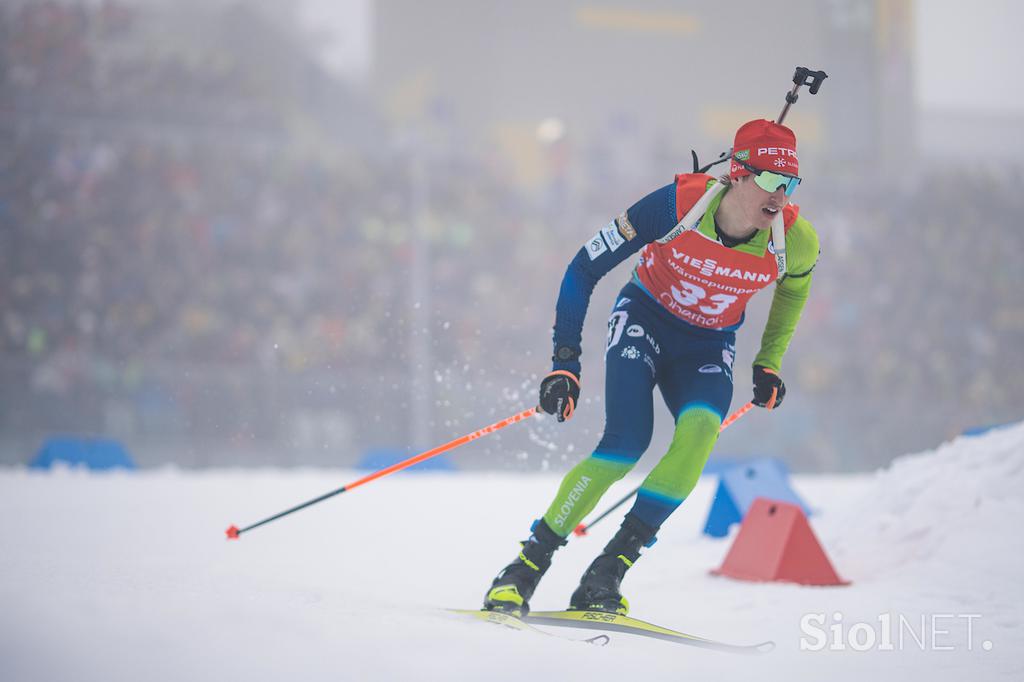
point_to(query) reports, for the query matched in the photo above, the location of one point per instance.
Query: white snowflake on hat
(781, 163)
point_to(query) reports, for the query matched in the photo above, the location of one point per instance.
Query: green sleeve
(790, 294)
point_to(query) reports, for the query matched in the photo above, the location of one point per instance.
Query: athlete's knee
(581, 488)
(698, 424)
(678, 471)
(626, 447)
(604, 467)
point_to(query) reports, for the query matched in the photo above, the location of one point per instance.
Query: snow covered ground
(129, 577)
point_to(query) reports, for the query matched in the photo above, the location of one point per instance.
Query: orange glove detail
(560, 393)
(769, 389)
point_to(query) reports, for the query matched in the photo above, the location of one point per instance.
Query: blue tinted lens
(771, 182)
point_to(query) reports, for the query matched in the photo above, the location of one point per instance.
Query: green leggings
(662, 491)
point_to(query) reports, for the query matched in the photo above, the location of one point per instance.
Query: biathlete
(673, 326)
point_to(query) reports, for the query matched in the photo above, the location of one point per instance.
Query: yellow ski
(613, 622)
(510, 621)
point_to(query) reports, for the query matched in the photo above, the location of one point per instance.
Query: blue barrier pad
(380, 458)
(93, 453)
(982, 430)
(717, 465)
(740, 485)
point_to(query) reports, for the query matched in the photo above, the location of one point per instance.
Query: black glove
(559, 394)
(769, 390)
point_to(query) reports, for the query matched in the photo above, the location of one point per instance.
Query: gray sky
(967, 55)
(962, 50)
(348, 24)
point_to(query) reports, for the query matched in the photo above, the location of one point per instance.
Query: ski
(514, 623)
(612, 622)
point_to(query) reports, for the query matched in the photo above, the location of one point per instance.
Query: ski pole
(234, 532)
(582, 529)
(803, 76)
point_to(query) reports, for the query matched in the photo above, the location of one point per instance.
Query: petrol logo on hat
(776, 151)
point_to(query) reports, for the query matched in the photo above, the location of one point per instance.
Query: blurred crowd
(188, 276)
(160, 282)
(102, 60)
(916, 310)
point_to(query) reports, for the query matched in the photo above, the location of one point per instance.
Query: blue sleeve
(645, 221)
(654, 216)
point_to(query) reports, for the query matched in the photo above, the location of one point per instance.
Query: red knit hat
(765, 145)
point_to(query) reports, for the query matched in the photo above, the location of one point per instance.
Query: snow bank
(127, 577)
(954, 509)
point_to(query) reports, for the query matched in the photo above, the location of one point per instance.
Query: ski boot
(511, 590)
(599, 586)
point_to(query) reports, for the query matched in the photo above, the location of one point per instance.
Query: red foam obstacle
(776, 543)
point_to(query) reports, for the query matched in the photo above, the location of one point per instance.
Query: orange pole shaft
(233, 532)
(736, 415)
(443, 448)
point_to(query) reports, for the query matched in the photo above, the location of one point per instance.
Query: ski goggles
(770, 181)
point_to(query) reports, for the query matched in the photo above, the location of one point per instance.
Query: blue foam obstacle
(740, 485)
(717, 465)
(380, 458)
(983, 429)
(93, 453)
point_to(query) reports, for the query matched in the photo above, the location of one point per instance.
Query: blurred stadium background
(264, 233)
